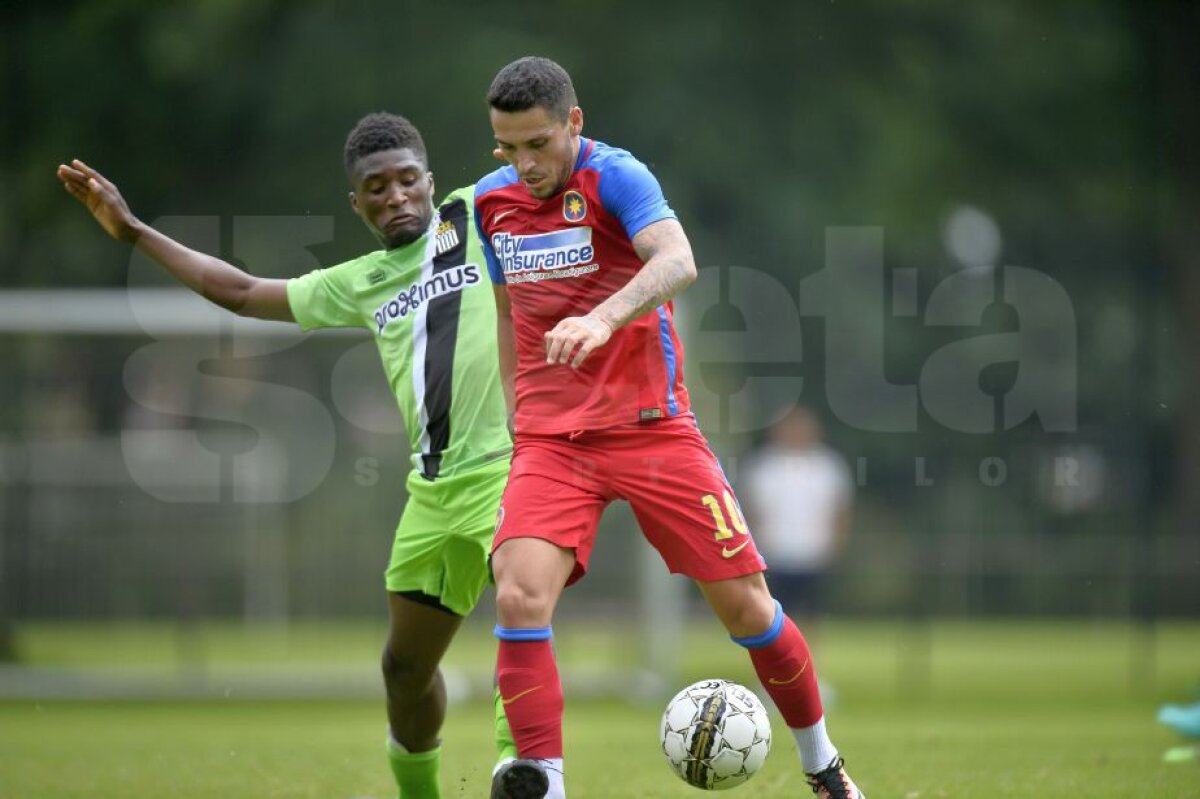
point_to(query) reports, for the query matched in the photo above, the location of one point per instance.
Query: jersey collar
(585, 150)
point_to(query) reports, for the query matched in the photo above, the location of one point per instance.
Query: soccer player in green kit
(426, 300)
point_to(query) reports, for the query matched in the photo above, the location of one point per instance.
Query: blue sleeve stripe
(524, 633)
(664, 336)
(493, 264)
(767, 638)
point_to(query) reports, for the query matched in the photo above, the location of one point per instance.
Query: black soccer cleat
(834, 783)
(520, 779)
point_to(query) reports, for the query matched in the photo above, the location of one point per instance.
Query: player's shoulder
(604, 157)
(463, 194)
(349, 270)
(495, 181)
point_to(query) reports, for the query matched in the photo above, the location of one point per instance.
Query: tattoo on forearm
(668, 269)
(650, 288)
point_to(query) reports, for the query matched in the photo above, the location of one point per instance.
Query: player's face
(539, 146)
(393, 195)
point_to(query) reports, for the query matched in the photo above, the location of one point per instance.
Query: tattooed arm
(668, 268)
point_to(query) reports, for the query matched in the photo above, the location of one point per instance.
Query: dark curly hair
(378, 132)
(533, 81)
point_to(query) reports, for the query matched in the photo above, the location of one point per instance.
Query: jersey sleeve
(489, 255)
(630, 192)
(323, 298)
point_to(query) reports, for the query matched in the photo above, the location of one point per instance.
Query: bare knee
(404, 675)
(523, 604)
(744, 605)
(530, 575)
(752, 618)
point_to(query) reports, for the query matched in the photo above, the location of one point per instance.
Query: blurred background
(964, 237)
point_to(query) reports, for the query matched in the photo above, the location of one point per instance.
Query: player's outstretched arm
(668, 268)
(220, 282)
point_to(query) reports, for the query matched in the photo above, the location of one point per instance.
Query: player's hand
(578, 336)
(98, 194)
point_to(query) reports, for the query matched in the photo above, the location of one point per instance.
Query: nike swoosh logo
(504, 213)
(795, 677)
(726, 552)
(518, 696)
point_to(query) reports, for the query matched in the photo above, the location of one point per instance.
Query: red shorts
(559, 486)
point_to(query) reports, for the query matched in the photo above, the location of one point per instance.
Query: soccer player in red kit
(586, 256)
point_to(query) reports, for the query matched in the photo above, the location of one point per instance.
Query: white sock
(554, 772)
(816, 750)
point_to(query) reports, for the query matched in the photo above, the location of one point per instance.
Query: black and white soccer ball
(715, 734)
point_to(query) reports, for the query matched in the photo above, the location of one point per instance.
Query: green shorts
(445, 535)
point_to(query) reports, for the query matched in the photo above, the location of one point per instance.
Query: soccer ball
(715, 734)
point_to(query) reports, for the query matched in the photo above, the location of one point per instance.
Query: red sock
(532, 696)
(786, 670)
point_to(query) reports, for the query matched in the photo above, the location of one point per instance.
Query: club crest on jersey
(557, 254)
(446, 236)
(574, 207)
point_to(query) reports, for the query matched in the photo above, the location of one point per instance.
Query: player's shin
(416, 773)
(784, 664)
(506, 747)
(531, 694)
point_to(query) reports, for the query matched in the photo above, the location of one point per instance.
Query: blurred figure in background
(796, 493)
(1185, 720)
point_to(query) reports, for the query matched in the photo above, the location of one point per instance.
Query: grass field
(955, 710)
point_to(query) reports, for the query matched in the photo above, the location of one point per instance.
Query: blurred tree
(1170, 45)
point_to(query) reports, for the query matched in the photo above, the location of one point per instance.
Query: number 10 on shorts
(719, 516)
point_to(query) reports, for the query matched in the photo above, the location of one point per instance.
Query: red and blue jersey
(562, 257)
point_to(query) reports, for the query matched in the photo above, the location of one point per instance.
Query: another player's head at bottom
(536, 120)
(391, 187)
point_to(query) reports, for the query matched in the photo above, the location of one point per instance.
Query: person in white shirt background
(797, 494)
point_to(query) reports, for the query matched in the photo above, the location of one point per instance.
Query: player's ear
(575, 120)
(429, 175)
(498, 154)
(354, 202)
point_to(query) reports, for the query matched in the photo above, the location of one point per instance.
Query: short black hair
(533, 81)
(381, 131)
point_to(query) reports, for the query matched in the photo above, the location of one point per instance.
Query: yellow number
(735, 513)
(723, 530)
(731, 508)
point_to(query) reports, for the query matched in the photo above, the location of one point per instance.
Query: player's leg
(419, 631)
(530, 576)
(689, 514)
(544, 536)
(506, 747)
(780, 655)
(784, 665)
(471, 502)
(437, 573)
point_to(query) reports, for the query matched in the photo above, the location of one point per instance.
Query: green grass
(960, 710)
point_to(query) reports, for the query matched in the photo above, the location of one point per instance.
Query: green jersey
(430, 308)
